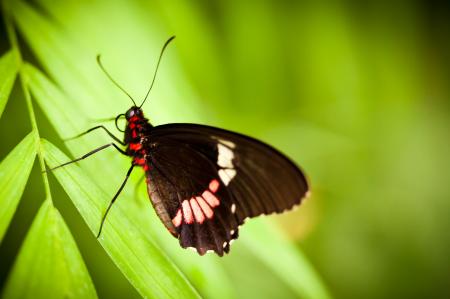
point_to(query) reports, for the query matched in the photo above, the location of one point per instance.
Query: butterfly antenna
(157, 66)
(112, 80)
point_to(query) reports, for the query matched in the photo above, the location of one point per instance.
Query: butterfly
(203, 182)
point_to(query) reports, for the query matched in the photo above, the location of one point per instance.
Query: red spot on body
(198, 214)
(205, 207)
(135, 146)
(187, 212)
(133, 119)
(139, 161)
(134, 134)
(132, 125)
(146, 168)
(214, 185)
(212, 200)
(177, 219)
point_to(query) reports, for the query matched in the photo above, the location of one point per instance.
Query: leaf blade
(49, 264)
(14, 172)
(8, 72)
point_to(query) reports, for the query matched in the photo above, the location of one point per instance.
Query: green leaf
(49, 264)
(14, 172)
(143, 263)
(8, 72)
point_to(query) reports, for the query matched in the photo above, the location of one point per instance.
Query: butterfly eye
(130, 113)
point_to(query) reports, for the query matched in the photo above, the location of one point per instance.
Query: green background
(357, 94)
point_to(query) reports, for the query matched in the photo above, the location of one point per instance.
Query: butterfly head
(134, 113)
(133, 116)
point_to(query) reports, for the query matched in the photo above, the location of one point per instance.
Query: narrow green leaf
(284, 259)
(49, 264)
(8, 72)
(143, 263)
(14, 172)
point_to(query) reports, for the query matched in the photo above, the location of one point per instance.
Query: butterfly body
(136, 136)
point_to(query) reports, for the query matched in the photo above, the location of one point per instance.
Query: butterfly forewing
(204, 182)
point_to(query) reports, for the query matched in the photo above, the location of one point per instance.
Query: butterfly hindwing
(204, 182)
(190, 199)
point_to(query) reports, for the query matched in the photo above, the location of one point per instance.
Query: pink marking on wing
(177, 219)
(214, 185)
(198, 214)
(205, 207)
(187, 212)
(212, 200)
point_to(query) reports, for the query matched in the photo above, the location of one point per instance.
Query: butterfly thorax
(136, 136)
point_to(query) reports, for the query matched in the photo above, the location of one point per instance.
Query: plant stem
(24, 83)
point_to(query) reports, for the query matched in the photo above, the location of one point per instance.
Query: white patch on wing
(227, 143)
(233, 208)
(226, 175)
(225, 156)
(224, 142)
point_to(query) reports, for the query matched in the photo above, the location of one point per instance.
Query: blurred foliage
(357, 93)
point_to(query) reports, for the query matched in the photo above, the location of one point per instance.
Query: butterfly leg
(91, 153)
(114, 199)
(95, 128)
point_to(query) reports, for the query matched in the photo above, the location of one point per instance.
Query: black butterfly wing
(204, 182)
